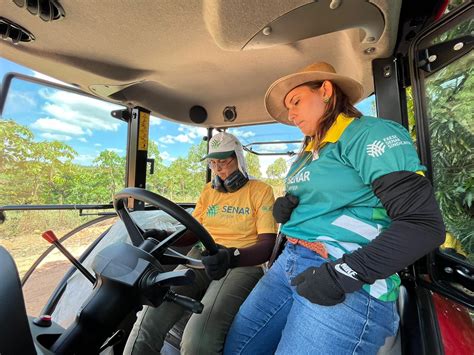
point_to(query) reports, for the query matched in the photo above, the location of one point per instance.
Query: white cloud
(87, 114)
(82, 140)
(193, 132)
(183, 138)
(168, 139)
(98, 145)
(57, 137)
(167, 157)
(241, 133)
(21, 100)
(155, 121)
(189, 135)
(56, 125)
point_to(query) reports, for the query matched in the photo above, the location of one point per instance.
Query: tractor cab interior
(203, 67)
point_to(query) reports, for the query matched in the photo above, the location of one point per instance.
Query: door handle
(465, 273)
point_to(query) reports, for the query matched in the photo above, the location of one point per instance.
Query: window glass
(56, 147)
(450, 96)
(177, 149)
(50, 271)
(460, 30)
(272, 149)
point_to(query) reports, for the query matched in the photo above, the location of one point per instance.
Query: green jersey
(337, 204)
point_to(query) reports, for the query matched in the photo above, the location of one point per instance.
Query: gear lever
(51, 238)
(184, 301)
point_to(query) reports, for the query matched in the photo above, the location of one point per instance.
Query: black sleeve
(416, 229)
(258, 253)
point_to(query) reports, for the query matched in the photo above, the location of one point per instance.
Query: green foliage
(29, 170)
(110, 172)
(411, 113)
(184, 179)
(253, 165)
(44, 173)
(450, 93)
(277, 169)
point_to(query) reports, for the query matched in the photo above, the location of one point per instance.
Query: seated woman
(237, 212)
(358, 209)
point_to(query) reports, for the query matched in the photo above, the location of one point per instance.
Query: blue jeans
(275, 319)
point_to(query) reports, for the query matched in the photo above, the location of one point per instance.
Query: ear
(327, 89)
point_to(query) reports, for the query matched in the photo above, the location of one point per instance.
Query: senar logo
(302, 176)
(212, 210)
(375, 149)
(215, 144)
(236, 210)
(378, 147)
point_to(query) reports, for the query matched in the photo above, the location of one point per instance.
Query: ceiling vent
(47, 10)
(11, 31)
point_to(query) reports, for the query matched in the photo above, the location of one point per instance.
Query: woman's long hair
(338, 103)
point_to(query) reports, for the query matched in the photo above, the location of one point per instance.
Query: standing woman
(358, 209)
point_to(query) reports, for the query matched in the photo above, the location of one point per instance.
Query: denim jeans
(275, 319)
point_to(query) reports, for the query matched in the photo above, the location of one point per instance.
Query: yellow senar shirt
(235, 219)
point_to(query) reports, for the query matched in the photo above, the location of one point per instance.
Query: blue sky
(86, 125)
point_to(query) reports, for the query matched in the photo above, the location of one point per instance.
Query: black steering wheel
(171, 208)
(129, 276)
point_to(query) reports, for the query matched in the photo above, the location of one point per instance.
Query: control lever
(116, 338)
(185, 302)
(51, 238)
(170, 278)
(155, 284)
(171, 256)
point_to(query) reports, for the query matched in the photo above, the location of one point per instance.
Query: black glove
(158, 234)
(327, 284)
(283, 207)
(217, 265)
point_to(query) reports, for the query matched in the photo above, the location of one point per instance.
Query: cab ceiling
(168, 56)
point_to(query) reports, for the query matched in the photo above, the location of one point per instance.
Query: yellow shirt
(235, 219)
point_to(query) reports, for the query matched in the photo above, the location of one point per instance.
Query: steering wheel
(171, 208)
(129, 276)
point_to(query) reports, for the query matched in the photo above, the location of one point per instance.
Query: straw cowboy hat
(276, 93)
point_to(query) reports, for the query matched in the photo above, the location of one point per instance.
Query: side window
(449, 98)
(57, 148)
(270, 150)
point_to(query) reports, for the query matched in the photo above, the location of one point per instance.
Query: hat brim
(276, 93)
(219, 155)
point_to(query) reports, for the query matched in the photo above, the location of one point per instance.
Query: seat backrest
(393, 345)
(15, 334)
